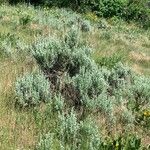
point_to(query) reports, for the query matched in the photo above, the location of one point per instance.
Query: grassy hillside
(112, 41)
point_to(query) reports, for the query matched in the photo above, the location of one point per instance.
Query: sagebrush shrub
(56, 18)
(120, 75)
(90, 137)
(90, 82)
(127, 117)
(140, 91)
(58, 102)
(89, 86)
(78, 134)
(45, 52)
(71, 134)
(59, 56)
(45, 142)
(32, 89)
(93, 90)
(85, 26)
(68, 128)
(72, 38)
(11, 45)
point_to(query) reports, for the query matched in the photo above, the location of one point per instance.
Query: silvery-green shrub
(105, 103)
(90, 137)
(72, 38)
(68, 129)
(90, 84)
(58, 102)
(141, 88)
(105, 73)
(66, 55)
(127, 117)
(102, 24)
(78, 134)
(32, 89)
(45, 52)
(140, 91)
(71, 134)
(45, 142)
(120, 75)
(11, 46)
(85, 26)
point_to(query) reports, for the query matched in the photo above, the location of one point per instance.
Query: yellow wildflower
(146, 113)
(92, 16)
(117, 145)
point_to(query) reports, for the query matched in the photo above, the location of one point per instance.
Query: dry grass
(137, 56)
(135, 49)
(16, 128)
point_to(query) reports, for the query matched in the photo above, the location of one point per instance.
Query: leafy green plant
(143, 118)
(122, 142)
(110, 61)
(111, 8)
(138, 11)
(3, 2)
(25, 19)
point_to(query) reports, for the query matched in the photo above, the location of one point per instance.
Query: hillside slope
(112, 41)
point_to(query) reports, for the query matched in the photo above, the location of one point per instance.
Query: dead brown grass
(17, 128)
